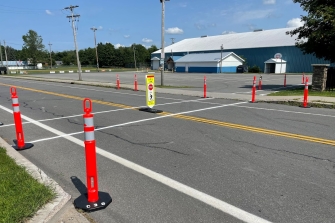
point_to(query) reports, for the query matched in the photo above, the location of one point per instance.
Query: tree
(316, 36)
(33, 46)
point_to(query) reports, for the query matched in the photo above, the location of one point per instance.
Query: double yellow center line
(200, 120)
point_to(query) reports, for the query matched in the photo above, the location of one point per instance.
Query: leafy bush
(254, 69)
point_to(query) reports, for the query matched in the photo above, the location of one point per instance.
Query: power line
(74, 18)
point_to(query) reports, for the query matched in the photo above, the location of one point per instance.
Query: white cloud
(256, 14)
(174, 30)
(48, 12)
(118, 45)
(269, 2)
(100, 27)
(126, 36)
(293, 23)
(183, 4)
(228, 32)
(146, 46)
(146, 40)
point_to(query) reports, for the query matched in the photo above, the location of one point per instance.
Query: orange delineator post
(305, 94)
(94, 199)
(135, 83)
(303, 78)
(117, 82)
(285, 80)
(253, 90)
(20, 144)
(91, 163)
(205, 87)
(260, 83)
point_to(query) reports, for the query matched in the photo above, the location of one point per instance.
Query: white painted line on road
(196, 194)
(81, 88)
(121, 109)
(270, 109)
(133, 122)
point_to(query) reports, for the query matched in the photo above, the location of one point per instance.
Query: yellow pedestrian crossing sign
(150, 90)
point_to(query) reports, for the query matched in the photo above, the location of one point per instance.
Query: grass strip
(170, 86)
(299, 91)
(21, 195)
(67, 69)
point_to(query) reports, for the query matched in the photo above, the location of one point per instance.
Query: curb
(49, 210)
(297, 101)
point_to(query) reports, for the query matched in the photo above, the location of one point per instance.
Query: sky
(123, 23)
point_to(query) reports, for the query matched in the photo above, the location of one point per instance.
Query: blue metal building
(208, 63)
(254, 47)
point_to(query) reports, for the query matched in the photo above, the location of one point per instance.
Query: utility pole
(73, 18)
(134, 48)
(4, 44)
(95, 45)
(1, 54)
(221, 59)
(162, 43)
(50, 54)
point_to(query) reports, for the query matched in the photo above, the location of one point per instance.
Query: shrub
(254, 69)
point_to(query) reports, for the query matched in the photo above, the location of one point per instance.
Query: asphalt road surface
(201, 160)
(224, 83)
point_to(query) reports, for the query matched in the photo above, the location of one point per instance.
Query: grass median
(300, 92)
(21, 196)
(74, 69)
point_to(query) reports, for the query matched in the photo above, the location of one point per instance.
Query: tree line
(315, 36)
(33, 50)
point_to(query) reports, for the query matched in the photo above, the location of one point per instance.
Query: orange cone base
(151, 110)
(301, 106)
(82, 203)
(26, 146)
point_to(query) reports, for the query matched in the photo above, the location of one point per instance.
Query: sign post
(279, 56)
(150, 94)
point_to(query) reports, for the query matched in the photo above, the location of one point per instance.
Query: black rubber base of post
(301, 106)
(151, 110)
(26, 146)
(1, 123)
(253, 102)
(82, 203)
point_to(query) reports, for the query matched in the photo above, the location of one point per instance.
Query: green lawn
(74, 69)
(21, 196)
(170, 86)
(300, 92)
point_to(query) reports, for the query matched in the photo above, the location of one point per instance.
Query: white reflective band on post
(16, 108)
(89, 122)
(15, 100)
(89, 136)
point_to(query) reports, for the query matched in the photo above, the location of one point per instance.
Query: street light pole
(95, 45)
(50, 55)
(221, 59)
(134, 48)
(162, 44)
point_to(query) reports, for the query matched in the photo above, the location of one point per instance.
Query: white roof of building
(206, 57)
(275, 61)
(259, 39)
